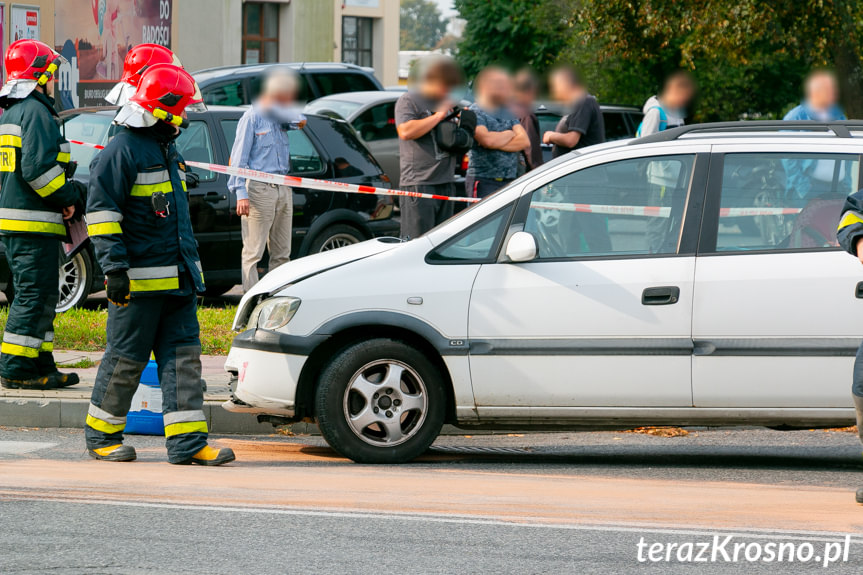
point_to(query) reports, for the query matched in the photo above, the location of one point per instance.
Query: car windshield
(327, 107)
(91, 128)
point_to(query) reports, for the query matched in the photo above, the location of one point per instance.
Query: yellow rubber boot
(117, 452)
(211, 456)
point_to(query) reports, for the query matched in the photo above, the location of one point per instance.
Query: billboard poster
(94, 37)
(25, 22)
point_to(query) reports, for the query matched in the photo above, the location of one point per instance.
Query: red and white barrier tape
(329, 186)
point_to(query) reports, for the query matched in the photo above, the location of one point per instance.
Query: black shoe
(117, 452)
(52, 381)
(65, 379)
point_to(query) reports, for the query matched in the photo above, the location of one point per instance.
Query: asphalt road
(555, 503)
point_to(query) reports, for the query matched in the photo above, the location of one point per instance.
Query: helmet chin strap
(167, 116)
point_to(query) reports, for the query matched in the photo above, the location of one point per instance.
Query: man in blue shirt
(266, 210)
(806, 179)
(499, 137)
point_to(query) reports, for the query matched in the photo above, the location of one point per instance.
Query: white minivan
(687, 278)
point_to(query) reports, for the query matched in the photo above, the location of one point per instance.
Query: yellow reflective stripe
(850, 218)
(154, 284)
(147, 190)
(64, 157)
(47, 346)
(104, 426)
(185, 427)
(185, 189)
(19, 350)
(104, 229)
(52, 186)
(9, 140)
(25, 226)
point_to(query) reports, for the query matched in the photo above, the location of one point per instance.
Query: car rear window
(335, 108)
(340, 141)
(91, 128)
(341, 82)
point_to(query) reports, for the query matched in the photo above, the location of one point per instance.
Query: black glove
(81, 201)
(117, 286)
(192, 180)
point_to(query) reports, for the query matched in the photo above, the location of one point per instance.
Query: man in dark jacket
(850, 236)
(37, 197)
(138, 218)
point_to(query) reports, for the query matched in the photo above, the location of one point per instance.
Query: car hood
(302, 268)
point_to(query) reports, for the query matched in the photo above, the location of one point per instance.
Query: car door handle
(214, 197)
(665, 295)
(858, 293)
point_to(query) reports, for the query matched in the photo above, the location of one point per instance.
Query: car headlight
(274, 313)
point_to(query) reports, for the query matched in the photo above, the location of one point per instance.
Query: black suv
(239, 85)
(322, 220)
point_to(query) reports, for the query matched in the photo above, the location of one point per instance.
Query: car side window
(91, 128)
(194, 144)
(775, 201)
(305, 159)
(377, 123)
(476, 244)
(627, 207)
(228, 94)
(341, 82)
(616, 127)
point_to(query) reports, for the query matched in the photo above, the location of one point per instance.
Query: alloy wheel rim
(73, 274)
(385, 403)
(337, 241)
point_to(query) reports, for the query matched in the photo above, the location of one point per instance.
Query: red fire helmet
(31, 60)
(141, 57)
(165, 91)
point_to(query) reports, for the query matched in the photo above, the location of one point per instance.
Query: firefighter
(138, 219)
(850, 235)
(38, 195)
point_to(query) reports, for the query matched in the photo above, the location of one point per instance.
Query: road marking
(705, 531)
(22, 447)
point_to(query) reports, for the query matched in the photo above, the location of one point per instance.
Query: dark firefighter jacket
(33, 160)
(159, 253)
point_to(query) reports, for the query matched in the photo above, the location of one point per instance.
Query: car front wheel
(380, 401)
(335, 237)
(76, 282)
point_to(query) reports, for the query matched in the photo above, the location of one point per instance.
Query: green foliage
(422, 26)
(512, 33)
(749, 56)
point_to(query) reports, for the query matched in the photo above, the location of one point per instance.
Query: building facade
(209, 33)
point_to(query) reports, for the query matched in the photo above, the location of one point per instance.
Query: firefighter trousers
(28, 339)
(167, 325)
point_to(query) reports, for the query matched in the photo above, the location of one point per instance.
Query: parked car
(326, 148)
(526, 311)
(239, 85)
(621, 122)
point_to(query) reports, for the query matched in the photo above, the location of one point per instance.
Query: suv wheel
(335, 237)
(380, 401)
(76, 281)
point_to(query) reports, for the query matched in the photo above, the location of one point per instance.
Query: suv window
(92, 128)
(783, 201)
(377, 123)
(305, 159)
(255, 83)
(341, 82)
(616, 127)
(227, 94)
(474, 244)
(627, 207)
(194, 144)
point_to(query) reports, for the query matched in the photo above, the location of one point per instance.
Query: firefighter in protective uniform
(38, 195)
(138, 59)
(138, 219)
(850, 236)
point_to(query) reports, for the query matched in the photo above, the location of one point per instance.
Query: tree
(512, 32)
(422, 25)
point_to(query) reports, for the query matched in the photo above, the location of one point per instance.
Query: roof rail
(841, 129)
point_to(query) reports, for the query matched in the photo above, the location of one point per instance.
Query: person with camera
(425, 165)
(499, 137)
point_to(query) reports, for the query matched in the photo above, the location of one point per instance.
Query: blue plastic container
(145, 417)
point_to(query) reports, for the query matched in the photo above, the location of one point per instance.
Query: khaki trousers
(268, 225)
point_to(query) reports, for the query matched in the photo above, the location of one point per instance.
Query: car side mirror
(521, 247)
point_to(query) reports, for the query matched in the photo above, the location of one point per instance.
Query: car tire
(396, 379)
(336, 236)
(76, 282)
